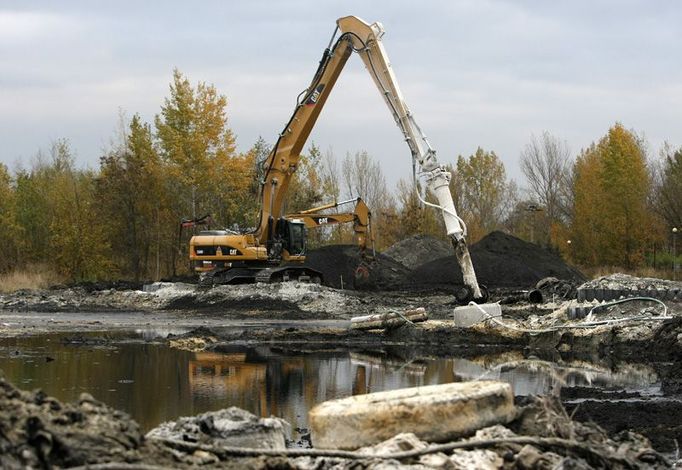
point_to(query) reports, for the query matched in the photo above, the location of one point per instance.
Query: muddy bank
(41, 432)
(657, 417)
(548, 326)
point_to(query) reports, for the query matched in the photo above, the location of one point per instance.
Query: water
(155, 383)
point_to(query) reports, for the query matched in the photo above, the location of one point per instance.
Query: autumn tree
(413, 216)
(9, 229)
(205, 172)
(481, 192)
(611, 184)
(133, 204)
(545, 162)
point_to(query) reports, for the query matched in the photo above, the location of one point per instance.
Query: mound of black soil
(339, 264)
(500, 260)
(422, 262)
(417, 250)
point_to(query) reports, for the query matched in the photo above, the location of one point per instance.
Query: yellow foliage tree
(481, 192)
(611, 184)
(204, 169)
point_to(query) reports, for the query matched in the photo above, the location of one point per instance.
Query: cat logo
(315, 95)
(322, 220)
(233, 252)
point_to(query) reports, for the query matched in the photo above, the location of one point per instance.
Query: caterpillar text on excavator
(275, 250)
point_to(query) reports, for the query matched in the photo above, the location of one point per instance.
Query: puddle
(155, 383)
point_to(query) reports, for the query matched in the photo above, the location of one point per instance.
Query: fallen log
(388, 320)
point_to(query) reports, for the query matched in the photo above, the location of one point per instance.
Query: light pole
(533, 209)
(674, 254)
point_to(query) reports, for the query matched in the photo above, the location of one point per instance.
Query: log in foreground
(434, 413)
(388, 320)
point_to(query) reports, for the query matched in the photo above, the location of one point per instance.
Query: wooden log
(388, 320)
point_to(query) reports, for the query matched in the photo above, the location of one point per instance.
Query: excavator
(275, 249)
(216, 264)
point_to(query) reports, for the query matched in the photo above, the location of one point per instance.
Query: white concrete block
(433, 413)
(470, 315)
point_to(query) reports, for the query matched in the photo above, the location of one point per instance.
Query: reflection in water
(155, 383)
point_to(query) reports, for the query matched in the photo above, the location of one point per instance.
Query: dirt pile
(423, 262)
(37, 431)
(417, 250)
(340, 262)
(500, 260)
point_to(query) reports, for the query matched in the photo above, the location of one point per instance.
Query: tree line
(611, 204)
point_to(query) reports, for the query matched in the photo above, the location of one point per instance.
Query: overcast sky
(474, 73)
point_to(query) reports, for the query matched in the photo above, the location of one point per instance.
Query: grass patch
(32, 277)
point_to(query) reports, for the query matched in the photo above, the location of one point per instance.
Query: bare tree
(362, 176)
(546, 164)
(667, 187)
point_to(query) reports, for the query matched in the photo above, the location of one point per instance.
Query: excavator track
(267, 275)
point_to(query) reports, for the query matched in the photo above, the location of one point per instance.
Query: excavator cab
(290, 237)
(295, 240)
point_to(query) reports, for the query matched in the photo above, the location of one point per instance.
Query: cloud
(28, 27)
(481, 72)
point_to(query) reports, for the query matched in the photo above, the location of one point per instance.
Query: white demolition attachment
(371, 50)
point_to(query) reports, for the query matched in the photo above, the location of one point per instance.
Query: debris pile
(617, 285)
(231, 427)
(37, 431)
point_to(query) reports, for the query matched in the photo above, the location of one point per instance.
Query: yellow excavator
(216, 265)
(275, 250)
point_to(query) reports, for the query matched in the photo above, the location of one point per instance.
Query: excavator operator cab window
(297, 236)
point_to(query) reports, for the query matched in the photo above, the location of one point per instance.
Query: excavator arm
(360, 217)
(283, 159)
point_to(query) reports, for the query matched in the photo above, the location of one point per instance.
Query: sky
(474, 73)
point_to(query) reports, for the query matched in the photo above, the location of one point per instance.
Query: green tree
(611, 185)
(77, 241)
(9, 229)
(133, 204)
